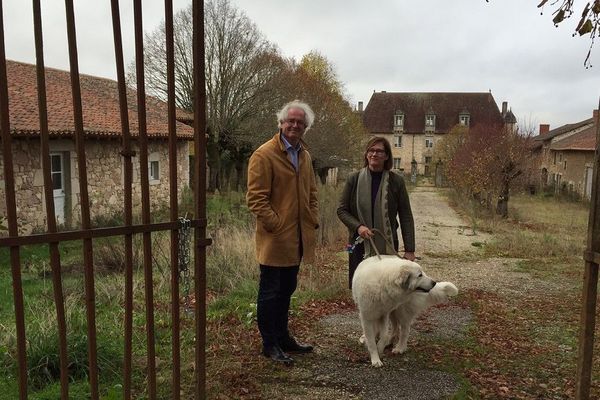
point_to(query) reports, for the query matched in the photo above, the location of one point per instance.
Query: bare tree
(338, 133)
(239, 64)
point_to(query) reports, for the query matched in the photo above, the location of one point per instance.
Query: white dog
(380, 286)
(402, 317)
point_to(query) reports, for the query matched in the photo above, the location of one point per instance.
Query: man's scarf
(382, 221)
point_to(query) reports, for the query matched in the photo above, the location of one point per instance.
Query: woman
(373, 197)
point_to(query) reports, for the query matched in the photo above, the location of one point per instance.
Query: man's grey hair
(309, 115)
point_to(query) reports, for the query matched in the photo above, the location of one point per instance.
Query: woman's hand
(364, 232)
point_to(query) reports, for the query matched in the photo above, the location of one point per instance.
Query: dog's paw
(376, 363)
(398, 349)
(362, 339)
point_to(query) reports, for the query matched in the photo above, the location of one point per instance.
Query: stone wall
(105, 180)
(28, 190)
(571, 166)
(413, 146)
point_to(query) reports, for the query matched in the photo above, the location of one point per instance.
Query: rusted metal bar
(127, 199)
(11, 213)
(12, 241)
(49, 201)
(88, 256)
(175, 325)
(199, 196)
(147, 244)
(590, 284)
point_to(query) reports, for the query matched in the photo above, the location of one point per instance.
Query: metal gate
(53, 237)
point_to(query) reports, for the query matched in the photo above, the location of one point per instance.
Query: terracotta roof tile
(562, 129)
(100, 98)
(583, 141)
(378, 115)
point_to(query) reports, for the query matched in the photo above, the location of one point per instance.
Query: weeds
(43, 363)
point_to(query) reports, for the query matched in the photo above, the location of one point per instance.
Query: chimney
(360, 106)
(544, 128)
(504, 107)
(595, 115)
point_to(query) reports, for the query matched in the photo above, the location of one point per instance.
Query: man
(282, 194)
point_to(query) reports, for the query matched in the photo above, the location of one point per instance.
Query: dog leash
(375, 230)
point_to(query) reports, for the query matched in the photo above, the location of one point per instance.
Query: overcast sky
(505, 46)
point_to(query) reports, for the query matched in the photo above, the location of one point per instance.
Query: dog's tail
(442, 291)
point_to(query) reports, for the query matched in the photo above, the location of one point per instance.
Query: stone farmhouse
(564, 157)
(414, 122)
(102, 128)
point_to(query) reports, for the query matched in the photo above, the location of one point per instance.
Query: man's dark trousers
(277, 284)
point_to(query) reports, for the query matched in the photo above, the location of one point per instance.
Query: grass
(232, 275)
(523, 335)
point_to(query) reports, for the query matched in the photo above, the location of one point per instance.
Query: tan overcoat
(285, 205)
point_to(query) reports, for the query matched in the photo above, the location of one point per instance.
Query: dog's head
(411, 277)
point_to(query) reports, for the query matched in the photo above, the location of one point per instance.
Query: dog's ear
(403, 279)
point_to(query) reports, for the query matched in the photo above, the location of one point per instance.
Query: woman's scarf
(380, 214)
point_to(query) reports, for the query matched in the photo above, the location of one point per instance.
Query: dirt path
(340, 368)
(439, 229)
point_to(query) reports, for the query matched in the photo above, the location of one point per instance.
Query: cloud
(503, 45)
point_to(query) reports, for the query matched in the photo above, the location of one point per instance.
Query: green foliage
(228, 208)
(232, 276)
(43, 362)
(108, 219)
(241, 302)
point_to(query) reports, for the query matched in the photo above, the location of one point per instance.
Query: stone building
(102, 129)
(564, 157)
(414, 122)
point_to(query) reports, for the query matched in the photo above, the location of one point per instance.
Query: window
(398, 120)
(398, 141)
(554, 162)
(397, 161)
(429, 122)
(463, 119)
(565, 165)
(427, 160)
(153, 171)
(56, 171)
(429, 143)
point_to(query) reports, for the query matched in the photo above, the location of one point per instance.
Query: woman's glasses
(379, 152)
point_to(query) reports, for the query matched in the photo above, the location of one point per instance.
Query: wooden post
(590, 284)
